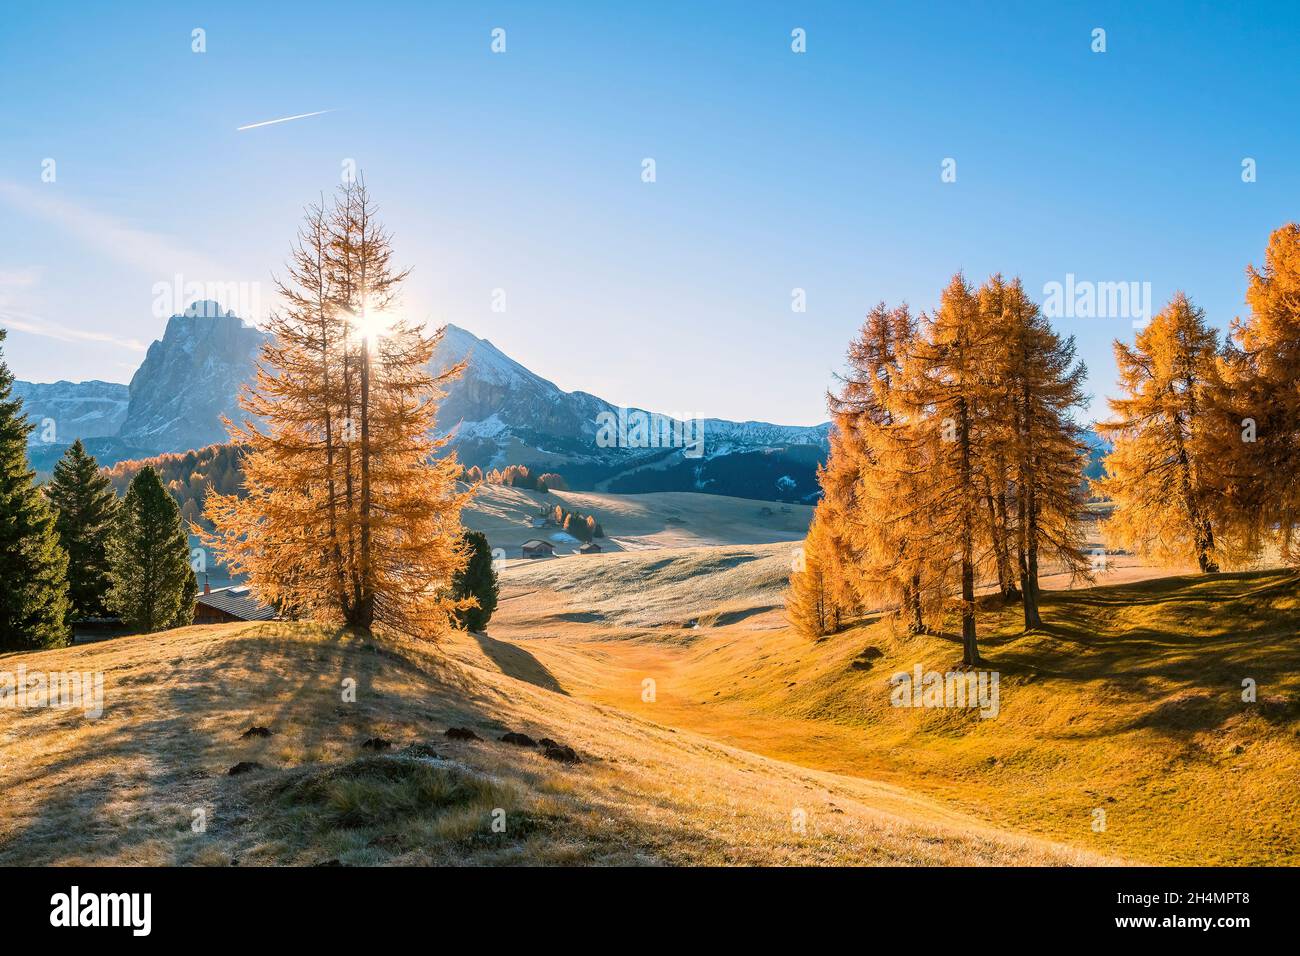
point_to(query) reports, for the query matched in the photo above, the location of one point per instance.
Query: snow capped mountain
(498, 413)
(76, 409)
(501, 413)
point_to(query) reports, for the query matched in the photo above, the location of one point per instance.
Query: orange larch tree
(347, 513)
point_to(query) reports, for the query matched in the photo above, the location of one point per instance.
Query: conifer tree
(870, 474)
(348, 513)
(554, 482)
(477, 580)
(1253, 438)
(152, 586)
(85, 509)
(944, 395)
(1159, 483)
(818, 598)
(1037, 448)
(33, 565)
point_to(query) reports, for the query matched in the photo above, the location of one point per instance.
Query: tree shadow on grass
(1183, 645)
(513, 661)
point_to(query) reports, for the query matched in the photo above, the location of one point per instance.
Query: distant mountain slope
(189, 379)
(501, 413)
(75, 409)
(498, 411)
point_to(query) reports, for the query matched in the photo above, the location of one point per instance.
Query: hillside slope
(672, 519)
(1128, 702)
(131, 786)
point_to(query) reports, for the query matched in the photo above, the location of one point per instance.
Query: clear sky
(522, 171)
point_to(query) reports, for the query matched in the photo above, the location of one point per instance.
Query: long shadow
(1187, 662)
(514, 661)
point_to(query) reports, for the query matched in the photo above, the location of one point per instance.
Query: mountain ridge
(497, 413)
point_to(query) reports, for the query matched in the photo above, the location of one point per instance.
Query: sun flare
(373, 324)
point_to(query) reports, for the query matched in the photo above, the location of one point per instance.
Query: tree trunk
(1202, 534)
(1013, 592)
(365, 611)
(970, 649)
(1029, 586)
(918, 623)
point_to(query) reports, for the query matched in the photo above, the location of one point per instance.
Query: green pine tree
(477, 579)
(85, 508)
(152, 585)
(33, 567)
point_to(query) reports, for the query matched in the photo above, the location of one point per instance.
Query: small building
(537, 548)
(591, 547)
(223, 605)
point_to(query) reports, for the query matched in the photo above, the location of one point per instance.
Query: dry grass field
(1129, 701)
(755, 746)
(124, 788)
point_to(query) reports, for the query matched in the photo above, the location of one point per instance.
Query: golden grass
(124, 788)
(1129, 701)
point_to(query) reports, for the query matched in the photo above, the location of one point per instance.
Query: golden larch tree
(1254, 439)
(1037, 447)
(944, 396)
(819, 598)
(1154, 475)
(347, 514)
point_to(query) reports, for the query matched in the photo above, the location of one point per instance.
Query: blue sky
(522, 171)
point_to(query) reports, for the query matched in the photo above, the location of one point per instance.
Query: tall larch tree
(872, 470)
(349, 514)
(1001, 530)
(33, 565)
(1038, 451)
(152, 586)
(293, 465)
(1255, 437)
(85, 508)
(943, 395)
(1159, 485)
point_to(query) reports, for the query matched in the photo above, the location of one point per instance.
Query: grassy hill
(669, 519)
(1129, 701)
(124, 788)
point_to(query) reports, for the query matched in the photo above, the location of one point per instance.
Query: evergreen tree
(477, 580)
(85, 509)
(1158, 481)
(152, 586)
(33, 565)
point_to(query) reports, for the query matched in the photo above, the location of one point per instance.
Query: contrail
(283, 119)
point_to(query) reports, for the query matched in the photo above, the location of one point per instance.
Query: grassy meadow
(753, 745)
